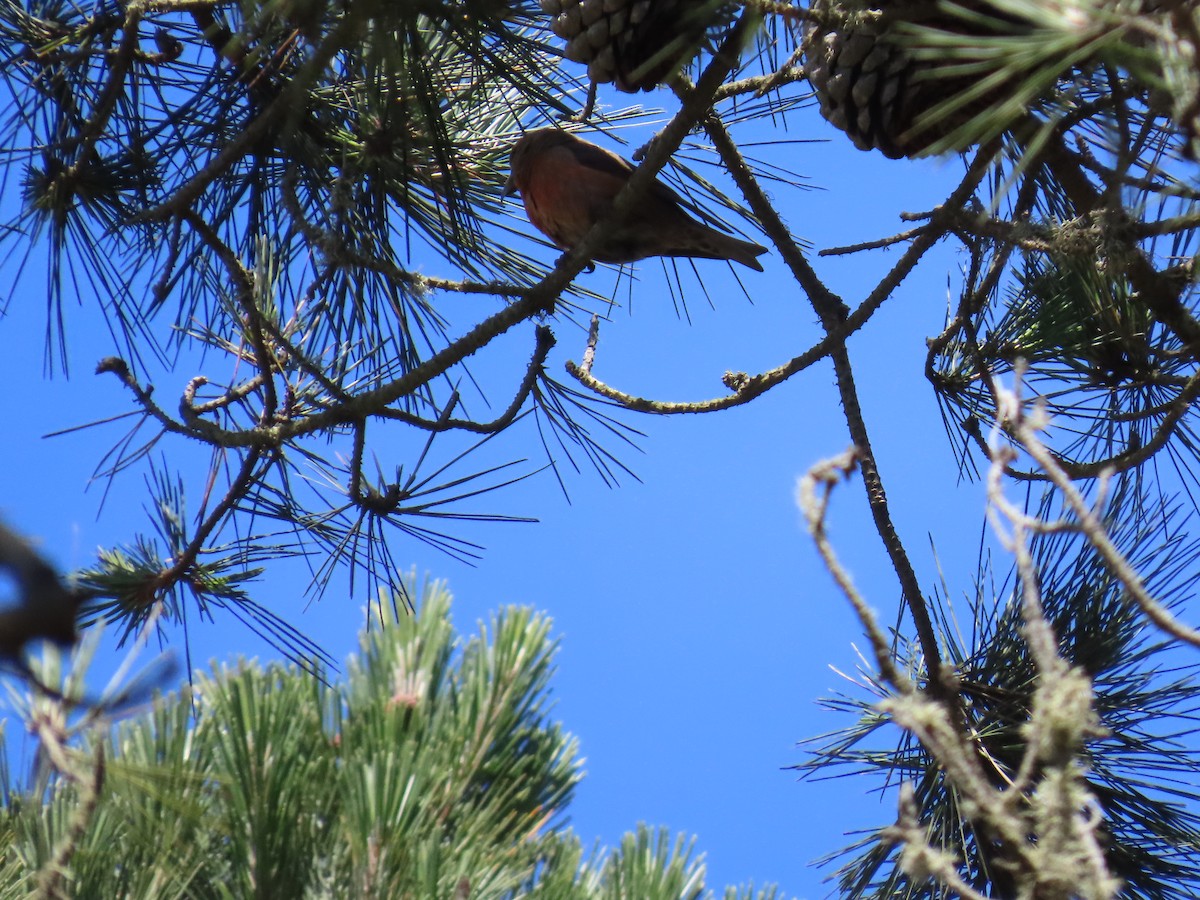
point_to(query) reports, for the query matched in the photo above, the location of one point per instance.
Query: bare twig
(1025, 428)
(812, 496)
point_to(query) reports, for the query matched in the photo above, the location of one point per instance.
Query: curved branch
(1175, 411)
(1024, 428)
(264, 359)
(812, 496)
(747, 387)
(830, 309)
(544, 343)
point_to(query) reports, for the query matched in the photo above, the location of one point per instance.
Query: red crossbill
(568, 184)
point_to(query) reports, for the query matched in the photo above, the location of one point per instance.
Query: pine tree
(432, 770)
(255, 180)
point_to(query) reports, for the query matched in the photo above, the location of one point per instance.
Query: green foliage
(434, 770)
(263, 183)
(1138, 767)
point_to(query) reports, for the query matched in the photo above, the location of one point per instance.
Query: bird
(568, 184)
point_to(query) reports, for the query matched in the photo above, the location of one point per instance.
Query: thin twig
(1025, 430)
(812, 496)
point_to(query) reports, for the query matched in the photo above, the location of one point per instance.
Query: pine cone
(864, 82)
(872, 88)
(636, 44)
(869, 86)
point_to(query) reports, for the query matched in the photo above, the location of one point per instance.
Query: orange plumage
(567, 184)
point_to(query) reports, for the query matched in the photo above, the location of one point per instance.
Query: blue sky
(697, 626)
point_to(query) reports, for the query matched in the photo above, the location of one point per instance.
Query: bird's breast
(550, 210)
(564, 197)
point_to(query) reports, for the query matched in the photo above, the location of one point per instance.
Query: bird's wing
(602, 160)
(599, 159)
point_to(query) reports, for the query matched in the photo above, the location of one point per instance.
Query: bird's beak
(510, 187)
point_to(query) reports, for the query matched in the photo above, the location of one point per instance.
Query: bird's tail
(744, 252)
(712, 244)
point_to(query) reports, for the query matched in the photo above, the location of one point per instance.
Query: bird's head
(526, 150)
